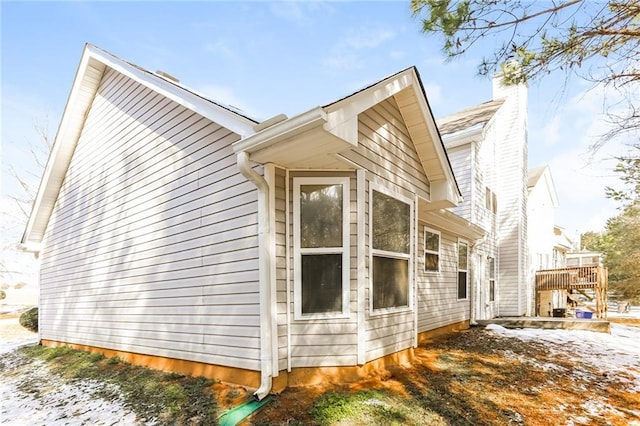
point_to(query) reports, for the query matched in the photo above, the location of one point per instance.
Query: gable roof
(541, 175)
(476, 115)
(534, 175)
(315, 138)
(93, 63)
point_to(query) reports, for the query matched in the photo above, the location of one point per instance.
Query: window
(321, 246)
(490, 200)
(487, 198)
(391, 250)
(492, 279)
(431, 250)
(463, 262)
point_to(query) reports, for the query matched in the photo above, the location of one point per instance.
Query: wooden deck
(550, 323)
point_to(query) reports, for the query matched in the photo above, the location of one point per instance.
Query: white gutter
(264, 235)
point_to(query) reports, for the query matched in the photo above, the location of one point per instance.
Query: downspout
(264, 215)
(474, 297)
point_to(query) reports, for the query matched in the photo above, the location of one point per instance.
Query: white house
(487, 145)
(177, 232)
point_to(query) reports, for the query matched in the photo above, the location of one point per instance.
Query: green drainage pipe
(237, 414)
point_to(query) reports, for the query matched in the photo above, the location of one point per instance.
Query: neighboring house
(176, 232)
(561, 247)
(548, 244)
(584, 258)
(487, 145)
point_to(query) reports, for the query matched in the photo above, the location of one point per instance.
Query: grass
(167, 398)
(472, 378)
(371, 407)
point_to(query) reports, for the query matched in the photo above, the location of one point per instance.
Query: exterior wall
(331, 341)
(475, 166)
(387, 151)
(541, 236)
(462, 160)
(152, 245)
(509, 132)
(437, 292)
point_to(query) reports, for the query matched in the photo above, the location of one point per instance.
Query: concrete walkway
(550, 323)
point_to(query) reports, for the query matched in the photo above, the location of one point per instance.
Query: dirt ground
(476, 378)
(473, 377)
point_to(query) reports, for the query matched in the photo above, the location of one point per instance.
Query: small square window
(463, 248)
(431, 250)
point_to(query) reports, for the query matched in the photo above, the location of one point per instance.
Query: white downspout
(264, 236)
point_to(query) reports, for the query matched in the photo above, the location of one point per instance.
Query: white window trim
(409, 257)
(492, 279)
(298, 251)
(424, 241)
(460, 240)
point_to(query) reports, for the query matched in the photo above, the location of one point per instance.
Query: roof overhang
(317, 137)
(93, 63)
(308, 140)
(447, 220)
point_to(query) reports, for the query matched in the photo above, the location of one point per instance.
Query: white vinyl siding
(462, 158)
(386, 149)
(388, 154)
(279, 199)
(509, 132)
(152, 245)
(437, 297)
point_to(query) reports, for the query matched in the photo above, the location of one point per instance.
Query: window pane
(492, 291)
(431, 262)
(320, 216)
(492, 268)
(390, 282)
(321, 283)
(462, 285)
(431, 241)
(391, 225)
(462, 256)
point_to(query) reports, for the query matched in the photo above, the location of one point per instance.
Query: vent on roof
(167, 76)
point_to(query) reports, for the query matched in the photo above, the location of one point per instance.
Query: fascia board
(284, 130)
(60, 156)
(463, 137)
(449, 221)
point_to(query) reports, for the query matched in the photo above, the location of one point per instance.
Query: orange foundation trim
(428, 336)
(309, 376)
(237, 376)
(302, 376)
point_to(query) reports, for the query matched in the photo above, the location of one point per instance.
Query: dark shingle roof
(478, 114)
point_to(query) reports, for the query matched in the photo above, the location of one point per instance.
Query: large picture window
(321, 242)
(463, 268)
(391, 251)
(431, 250)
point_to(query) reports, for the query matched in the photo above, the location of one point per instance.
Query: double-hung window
(390, 223)
(492, 279)
(463, 268)
(431, 250)
(321, 247)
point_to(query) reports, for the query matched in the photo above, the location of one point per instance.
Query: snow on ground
(617, 353)
(31, 395)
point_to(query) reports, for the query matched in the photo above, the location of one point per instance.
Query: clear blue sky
(268, 58)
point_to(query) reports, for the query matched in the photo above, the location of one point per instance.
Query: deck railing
(571, 278)
(577, 278)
